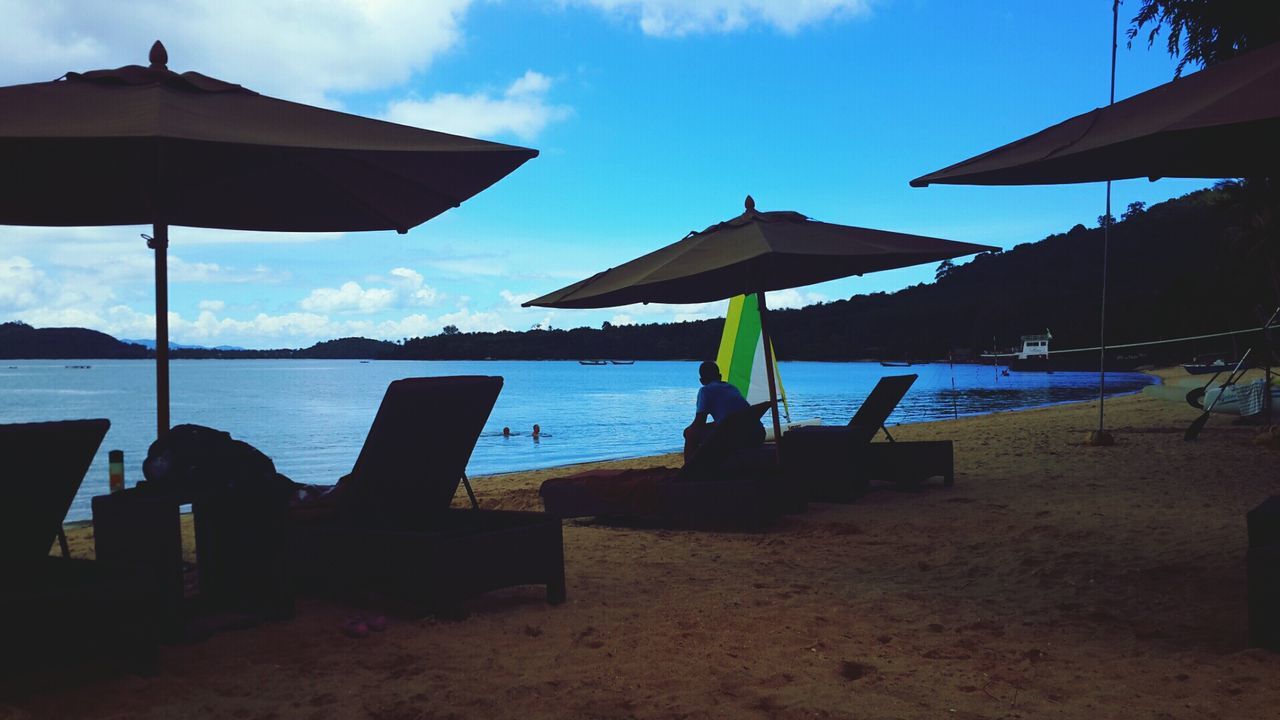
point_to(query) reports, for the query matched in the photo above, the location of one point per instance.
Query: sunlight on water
(311, 416)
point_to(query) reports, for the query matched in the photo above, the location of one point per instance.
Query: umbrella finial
(159, 56)
(751, 204)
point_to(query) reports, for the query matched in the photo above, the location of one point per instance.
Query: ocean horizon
(311, 416)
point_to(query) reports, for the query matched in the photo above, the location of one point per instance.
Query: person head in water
(536, 430)
(506, 432)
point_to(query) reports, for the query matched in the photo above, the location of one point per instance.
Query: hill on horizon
(1191, 265)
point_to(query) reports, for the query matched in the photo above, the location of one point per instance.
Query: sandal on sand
(355, 628)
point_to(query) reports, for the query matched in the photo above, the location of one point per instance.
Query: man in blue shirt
(715, 398)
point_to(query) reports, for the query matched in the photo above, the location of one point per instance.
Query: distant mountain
(1197, 264)
(20, 341)
(151, 345)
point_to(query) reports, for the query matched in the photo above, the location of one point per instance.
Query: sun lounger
(59, 610)
(390, 526)
(726, 483)
(838, 463)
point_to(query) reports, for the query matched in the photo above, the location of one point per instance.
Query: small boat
(1234, 398)
(593, 362)
(1204, 366)
(1035, 356)
(768, 426)
(895, 363)
(622, 362)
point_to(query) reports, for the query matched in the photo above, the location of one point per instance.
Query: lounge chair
(58, 609)
(726, 484)
(838, 463)
(390, 526)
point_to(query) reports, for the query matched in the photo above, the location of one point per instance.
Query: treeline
(1198, 264)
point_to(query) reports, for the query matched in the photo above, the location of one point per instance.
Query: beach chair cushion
(741, 430)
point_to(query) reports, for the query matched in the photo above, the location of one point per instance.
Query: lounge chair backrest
(41, 468)
(875, 410)
(418, 447)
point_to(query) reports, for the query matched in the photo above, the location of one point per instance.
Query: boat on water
(741, 362)
(622, 362)
(895, 363)
(1035, 356)
(593, 362)
(1204, 365)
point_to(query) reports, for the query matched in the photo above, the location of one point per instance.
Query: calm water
(311, 416)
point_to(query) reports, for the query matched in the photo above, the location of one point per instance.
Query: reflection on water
(311, 416)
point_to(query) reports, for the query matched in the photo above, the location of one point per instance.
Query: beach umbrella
(753, 253)
(1223, 121)
(146, 145)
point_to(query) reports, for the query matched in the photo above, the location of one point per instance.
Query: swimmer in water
(537, 431)
(506, 432)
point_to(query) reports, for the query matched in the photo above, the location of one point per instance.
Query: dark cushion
(738, 431)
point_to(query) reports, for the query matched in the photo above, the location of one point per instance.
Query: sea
(311, 416)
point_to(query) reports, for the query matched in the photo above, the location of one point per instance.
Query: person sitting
(716, 398)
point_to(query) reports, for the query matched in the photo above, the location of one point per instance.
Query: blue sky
(652, 117)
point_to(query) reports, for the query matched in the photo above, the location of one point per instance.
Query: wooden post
(159, 242)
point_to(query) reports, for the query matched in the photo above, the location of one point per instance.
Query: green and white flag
(741, 356)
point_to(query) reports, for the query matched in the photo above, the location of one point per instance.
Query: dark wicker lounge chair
(391, 527)
(838, 463)
(726, 484)
(60, 610)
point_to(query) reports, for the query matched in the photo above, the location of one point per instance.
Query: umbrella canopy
(145, 145)
(753, 253)
(1223, 121)
(140, 145)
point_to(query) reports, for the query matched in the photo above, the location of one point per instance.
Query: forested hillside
(1201, 263)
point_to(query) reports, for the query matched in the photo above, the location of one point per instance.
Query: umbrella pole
(159, 242)
(768, 367)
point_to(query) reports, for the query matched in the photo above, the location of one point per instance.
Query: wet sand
(1055, 579)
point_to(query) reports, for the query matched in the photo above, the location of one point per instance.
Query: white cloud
(468, 321)
(20, 283)
(677, 18)
(351, 297)
(411, 289)
(407, 289)
(792, 298)
(303, 51)
(212, 305)
(622, 319)
(522, 110)
(515, 300)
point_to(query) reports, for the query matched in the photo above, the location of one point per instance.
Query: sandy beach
(1055, 579)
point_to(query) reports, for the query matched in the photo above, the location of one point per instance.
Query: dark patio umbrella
(1223, 121)
(146, 145)
(753, 253)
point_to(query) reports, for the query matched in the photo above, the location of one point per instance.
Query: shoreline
(1055, 579)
